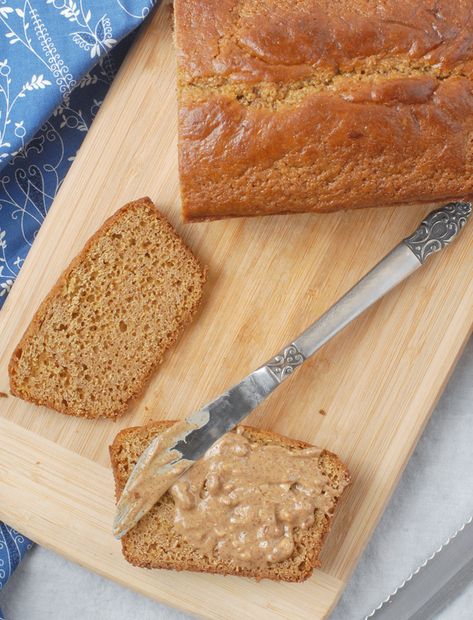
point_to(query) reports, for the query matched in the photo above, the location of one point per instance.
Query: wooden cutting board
(366, 395)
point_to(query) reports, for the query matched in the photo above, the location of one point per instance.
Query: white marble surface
(434, 497)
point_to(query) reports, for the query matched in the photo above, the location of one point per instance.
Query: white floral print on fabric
(45, 47)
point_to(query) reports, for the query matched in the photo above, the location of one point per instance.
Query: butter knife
(170, 454)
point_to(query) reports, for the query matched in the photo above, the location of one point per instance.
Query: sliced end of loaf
(153, 542)
(106, 324)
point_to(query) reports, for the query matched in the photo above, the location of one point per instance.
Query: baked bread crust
(318, 106)
(153, 543)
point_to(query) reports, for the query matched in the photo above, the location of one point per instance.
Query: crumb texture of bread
(318, 105)
(153, 542)
(106, 324)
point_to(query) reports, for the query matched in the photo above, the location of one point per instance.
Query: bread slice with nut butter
(160, 540)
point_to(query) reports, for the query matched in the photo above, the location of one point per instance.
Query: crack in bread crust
(365, 80)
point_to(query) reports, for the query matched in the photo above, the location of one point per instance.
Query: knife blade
(436, 582)
(174, 451)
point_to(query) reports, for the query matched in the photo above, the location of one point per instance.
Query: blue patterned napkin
(56, 65)
(13, 547)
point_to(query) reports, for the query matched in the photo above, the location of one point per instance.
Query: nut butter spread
(156, 470)
(242, 501)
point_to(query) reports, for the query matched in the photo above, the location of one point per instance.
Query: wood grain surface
(366, 395)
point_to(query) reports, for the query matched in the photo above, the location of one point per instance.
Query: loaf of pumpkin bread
(318, 106)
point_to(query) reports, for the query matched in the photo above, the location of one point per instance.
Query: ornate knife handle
(438, 229)
(284, 363)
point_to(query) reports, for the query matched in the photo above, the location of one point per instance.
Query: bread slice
(153, 542)
(104, 327)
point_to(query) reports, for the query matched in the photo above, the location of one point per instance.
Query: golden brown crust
(16, 388)
(192, 562)
(292, 107)
(277, 40)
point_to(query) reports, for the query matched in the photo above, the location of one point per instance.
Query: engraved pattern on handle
(438, 229)
(284, 363)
